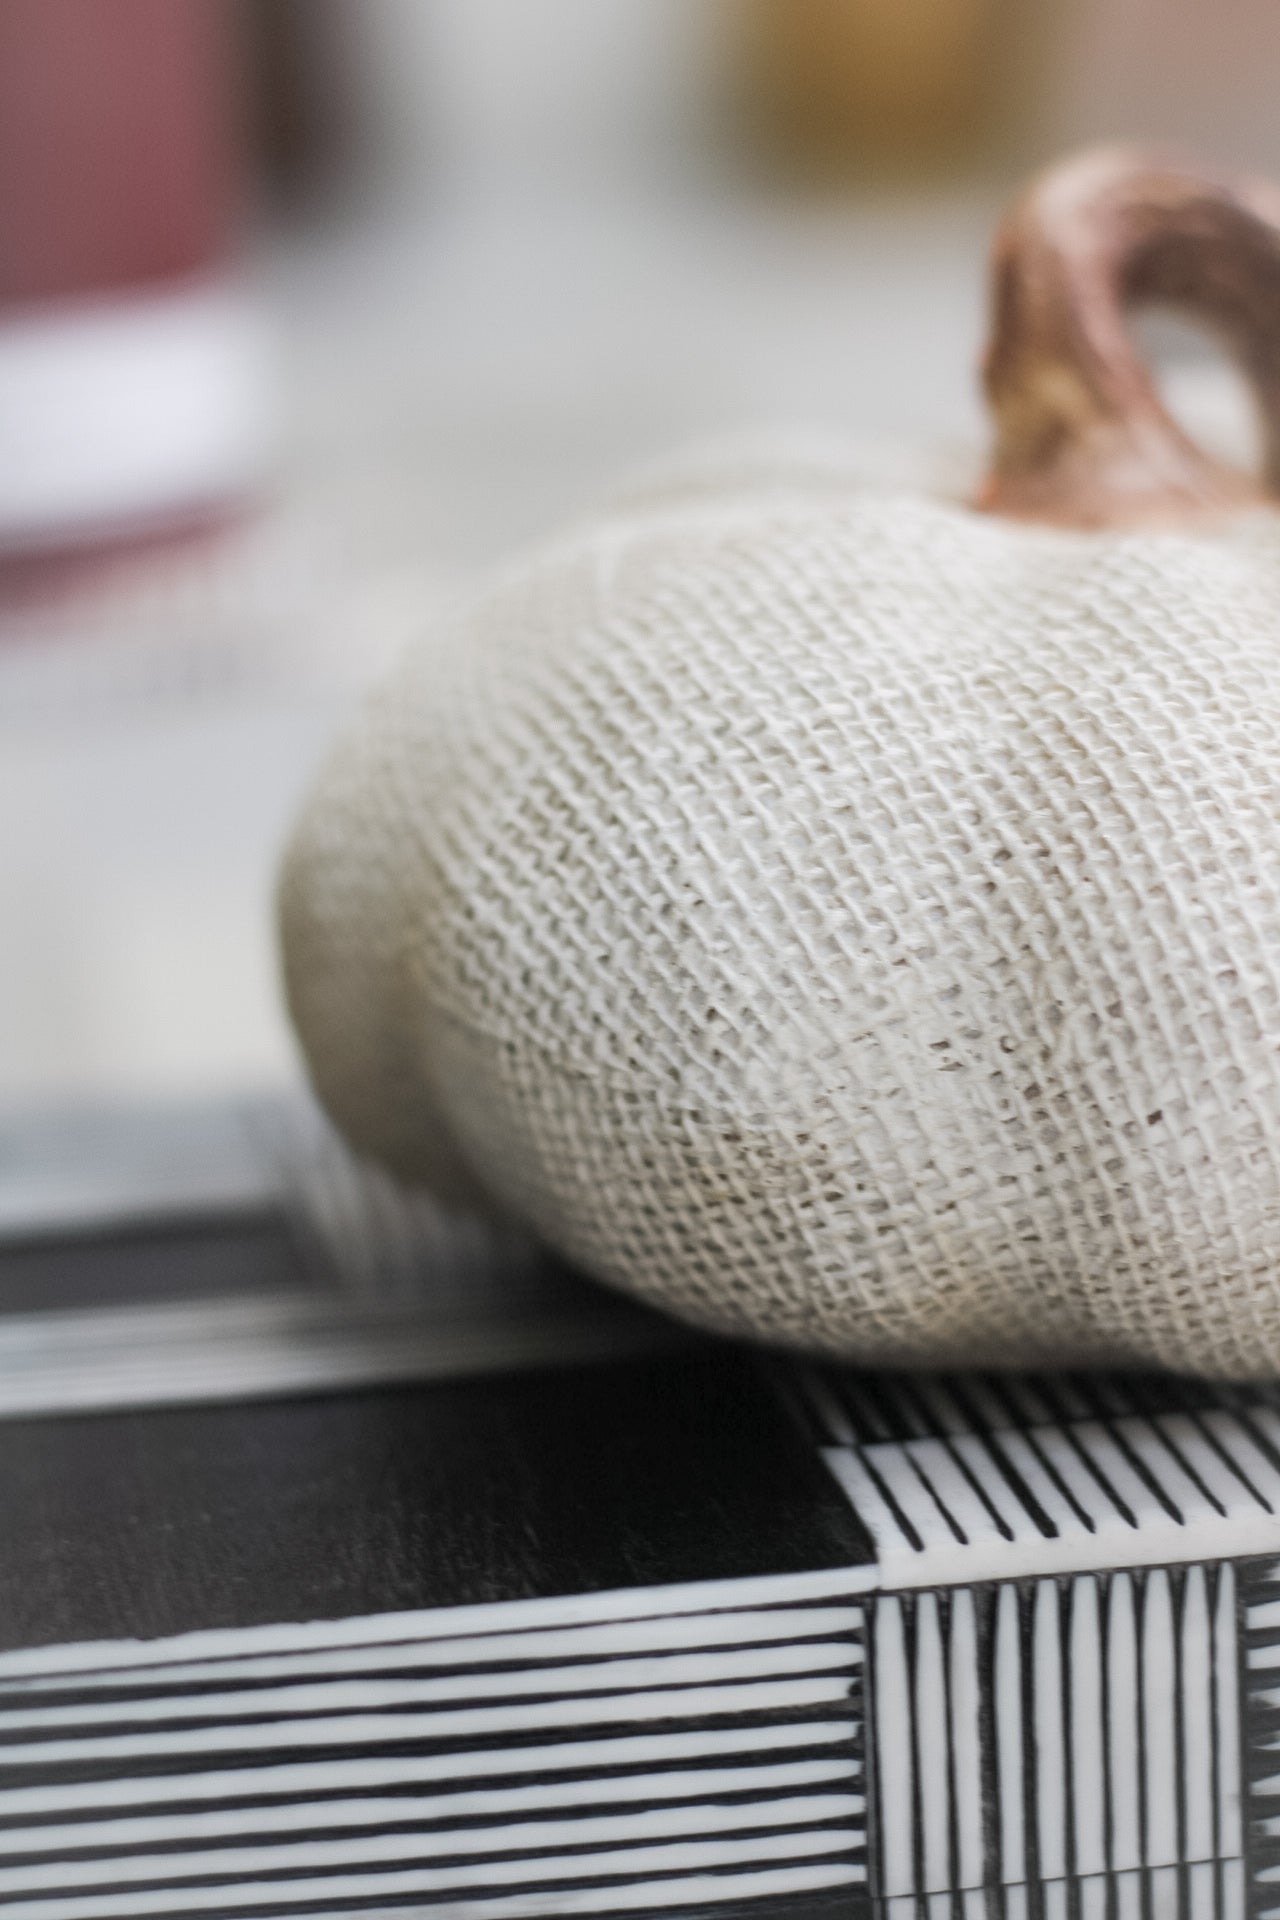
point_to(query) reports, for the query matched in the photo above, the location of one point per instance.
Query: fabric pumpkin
(842, 916)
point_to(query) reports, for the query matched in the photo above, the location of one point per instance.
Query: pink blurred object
(131, 390)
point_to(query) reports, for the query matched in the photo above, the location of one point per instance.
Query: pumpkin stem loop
(1083, 438)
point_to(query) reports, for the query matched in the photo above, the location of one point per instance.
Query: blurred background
(310, 308)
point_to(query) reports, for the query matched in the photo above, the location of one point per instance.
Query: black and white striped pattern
(1214, 1891)
(963, 1478)
(215, 1250)
(498, 1755)
(578, 1640)
(1051, 1731)
(605, 1639)
(1260, 1634)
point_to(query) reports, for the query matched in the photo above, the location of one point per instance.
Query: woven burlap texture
(835, 916)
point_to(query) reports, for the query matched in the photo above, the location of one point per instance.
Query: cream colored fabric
(834, 916)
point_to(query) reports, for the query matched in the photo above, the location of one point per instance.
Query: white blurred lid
(126, 411)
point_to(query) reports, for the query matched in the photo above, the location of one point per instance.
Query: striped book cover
(357, 1561)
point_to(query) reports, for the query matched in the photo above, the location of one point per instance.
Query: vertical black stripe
(1067, 1589)
(987, 1600)
(872, 1787)
(1139, 1589)
(1026, 1649)
(945, 1623)
(910, 1641)
(1178, 1597)
(1104, 1663)
(1215, 1577)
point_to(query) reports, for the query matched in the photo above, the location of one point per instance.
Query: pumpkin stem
(1082, 436)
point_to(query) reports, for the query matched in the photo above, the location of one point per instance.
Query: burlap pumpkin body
(835, 916)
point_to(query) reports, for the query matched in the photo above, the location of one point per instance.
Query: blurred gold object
(833, 87)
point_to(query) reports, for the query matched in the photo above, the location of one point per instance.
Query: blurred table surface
(446, 388)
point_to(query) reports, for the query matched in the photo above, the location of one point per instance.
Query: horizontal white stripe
(429, 1623)
(305, 1816)
(679, 1670)
(680, 1857)
(353, 1774)
(468, 1723)
(650, 1896)
(129, 406)
(410, 1849)
(761, 1626)
(333, 1344)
